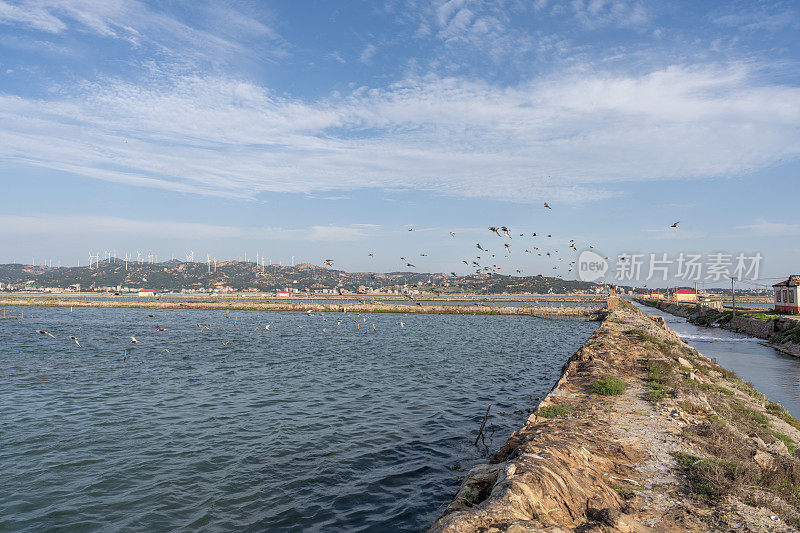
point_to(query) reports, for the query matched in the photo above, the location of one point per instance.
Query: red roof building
(787, 295)
(685, 295)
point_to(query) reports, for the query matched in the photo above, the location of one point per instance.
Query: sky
(313, 130)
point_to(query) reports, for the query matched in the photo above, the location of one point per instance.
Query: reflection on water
(774, 373)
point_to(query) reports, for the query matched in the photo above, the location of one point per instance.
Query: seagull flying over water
(133, 340)
(76, 341)
(43, 332)
(547, 205)
(675, 225)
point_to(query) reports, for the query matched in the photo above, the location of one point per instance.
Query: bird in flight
(452, 234)
(480, 247)
(412, 266)
(675, 225)
(133, 340)
(505, 231)
(159, 328)
(508, 247)
(76, 341)
(328, 262)
(410, 229)
(43, 332)
(494, 230)
(547, 205)
(371, 255)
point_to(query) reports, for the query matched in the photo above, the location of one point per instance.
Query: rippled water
(287, 429)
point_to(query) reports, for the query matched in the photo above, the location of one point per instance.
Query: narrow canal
(775, 374)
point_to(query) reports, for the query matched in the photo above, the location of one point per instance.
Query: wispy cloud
(218, 32)
(617, 13)
(764, 228)
(564, 137)
(367, 54)
(758, 16)
(93, 226)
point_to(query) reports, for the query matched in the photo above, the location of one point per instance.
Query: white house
(787, 296)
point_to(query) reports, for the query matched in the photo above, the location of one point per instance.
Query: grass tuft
(610, 386)
(554, 411)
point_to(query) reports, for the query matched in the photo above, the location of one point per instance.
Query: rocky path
(680, 445)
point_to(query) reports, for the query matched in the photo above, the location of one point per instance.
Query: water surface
(317, 427)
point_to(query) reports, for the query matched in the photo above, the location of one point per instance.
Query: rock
(699, 404)
(607, 516)
(765, 460)
(778, 447)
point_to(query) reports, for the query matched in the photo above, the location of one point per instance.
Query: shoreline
(535, 311)
(684, 445)
(780, 332)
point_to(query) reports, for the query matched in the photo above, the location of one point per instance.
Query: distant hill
(176, 275)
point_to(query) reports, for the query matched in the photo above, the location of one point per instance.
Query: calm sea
(310, 425)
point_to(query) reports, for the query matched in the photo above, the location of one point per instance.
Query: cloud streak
(93, 226)
(566, 137)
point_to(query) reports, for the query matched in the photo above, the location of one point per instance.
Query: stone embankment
(641, 433)
(537, 311)
(782, 331)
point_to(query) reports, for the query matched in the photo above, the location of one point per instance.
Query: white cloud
(87, 225)
(367, 54)
(619, 13)
(762, 227)
(563, 138)
(140, 24)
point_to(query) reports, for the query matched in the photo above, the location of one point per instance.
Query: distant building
(147, 292)
(787, 296)
(657, 295)
(685, 295)
(283, 294)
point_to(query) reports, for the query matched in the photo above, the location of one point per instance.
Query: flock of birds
(360, 322)
(484, 264)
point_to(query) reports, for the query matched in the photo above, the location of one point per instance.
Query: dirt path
(686, 446)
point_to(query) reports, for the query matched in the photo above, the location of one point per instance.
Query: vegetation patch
(554, 411)
(471, 498)
(658, 393)
(747, 388)
(711, 479)
(787, 335)
(787, 440)
(778, 411)
(610, 386)
(717, 388)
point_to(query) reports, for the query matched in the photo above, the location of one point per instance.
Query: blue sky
(325, 129)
